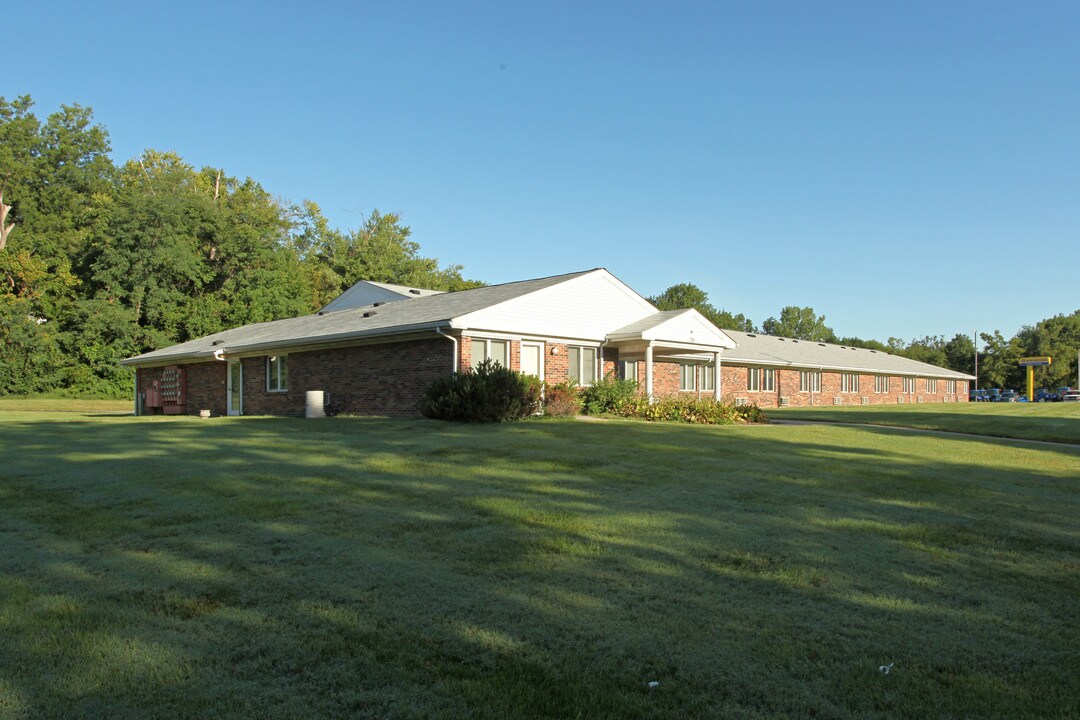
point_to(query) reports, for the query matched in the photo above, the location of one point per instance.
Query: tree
(381, 251)
(686, 295)
(801, 323)
(960, 354)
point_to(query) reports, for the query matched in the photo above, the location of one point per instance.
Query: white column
(648, 372)
(716, 377)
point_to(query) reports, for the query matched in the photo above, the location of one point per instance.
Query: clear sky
(906, 168)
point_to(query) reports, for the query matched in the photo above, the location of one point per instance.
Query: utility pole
(975, 337)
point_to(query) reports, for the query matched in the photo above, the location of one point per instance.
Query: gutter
(452, 339)
(320, 340)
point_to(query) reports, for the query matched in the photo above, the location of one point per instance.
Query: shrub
(705, 411)
(562, 400)
(488, 393)
(609, 395)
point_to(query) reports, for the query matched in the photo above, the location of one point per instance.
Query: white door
(235, 390)
(532, 359)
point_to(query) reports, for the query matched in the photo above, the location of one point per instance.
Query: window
(628, 370)
(495, 350)
(931, 386)
(849, 382)
(950, 387)
(708, 377)
(909, 385)
(582, 364)
(758, 379)
(277, 373)
(686, 377)
(809, 381)
(881, 383)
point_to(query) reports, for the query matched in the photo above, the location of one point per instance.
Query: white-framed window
(768, 380)
(909, 385)
(708, 377)
(881, 383)
(809, 381)
(277, 373)
(753, 379)
(686, 377)
(931, 386)
(950, 387)
(495, 350)
(628, 370)
(582, 364)
(849, 382)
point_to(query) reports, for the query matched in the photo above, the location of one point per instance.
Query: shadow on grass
(278, 568)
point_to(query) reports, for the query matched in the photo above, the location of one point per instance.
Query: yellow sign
(1030, 361)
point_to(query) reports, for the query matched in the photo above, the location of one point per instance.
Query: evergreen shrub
(487, 393)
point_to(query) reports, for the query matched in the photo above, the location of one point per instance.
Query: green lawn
(350, 567)
(53, 404)
(1055, 422)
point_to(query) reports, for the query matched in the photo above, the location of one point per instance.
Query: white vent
(900, 400)
(945, 399)
(919, 399)
(837, 400)
(865, 400)
(784, 401)
(740, 401)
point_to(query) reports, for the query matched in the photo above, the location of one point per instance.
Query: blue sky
(907, 169)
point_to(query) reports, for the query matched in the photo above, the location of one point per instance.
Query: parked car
(1070, 396)
(1044, 395)
(1007, 396)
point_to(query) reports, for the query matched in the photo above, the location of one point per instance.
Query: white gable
(366, 293)
(586, 307)
(688, 327)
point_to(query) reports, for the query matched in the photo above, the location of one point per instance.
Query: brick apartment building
(376, 348)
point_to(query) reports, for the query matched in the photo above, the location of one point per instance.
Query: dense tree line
(1057, 337)
(99, 262)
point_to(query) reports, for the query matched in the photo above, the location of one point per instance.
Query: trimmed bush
(562, 400)
(692, 410)
(487, 393)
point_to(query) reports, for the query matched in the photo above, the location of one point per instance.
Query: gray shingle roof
(772, 350)
(648, 323)
(391, 318)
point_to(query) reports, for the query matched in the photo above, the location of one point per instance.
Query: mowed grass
(55, 404)
(350, 567)
(1053, 422)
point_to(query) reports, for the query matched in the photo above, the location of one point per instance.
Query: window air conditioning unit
(919, 399)
(865, 400)
(837, 400)
(899, 399)
(784, 401)
(740, 401)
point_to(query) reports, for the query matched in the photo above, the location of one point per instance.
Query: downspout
(452, 339)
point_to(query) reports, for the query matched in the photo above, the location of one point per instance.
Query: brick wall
(205, 386)
(788, 383)
(388, 379)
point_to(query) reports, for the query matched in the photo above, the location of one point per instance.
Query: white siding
(689, 327)
(587, 307)
(364, 293)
